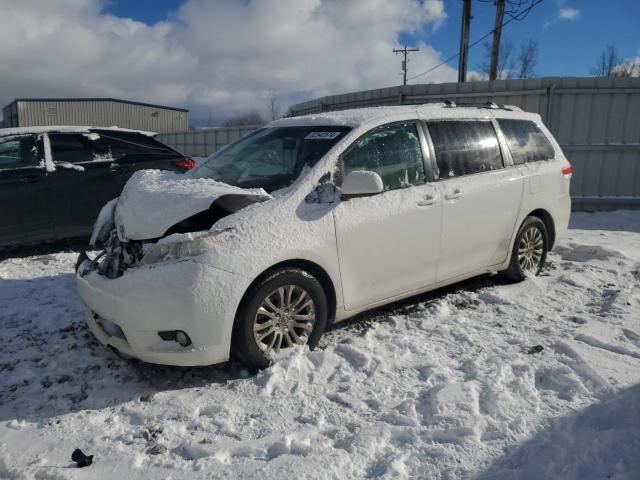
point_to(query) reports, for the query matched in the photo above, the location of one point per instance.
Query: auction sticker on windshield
(322, 135)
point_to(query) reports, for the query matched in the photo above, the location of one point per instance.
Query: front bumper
(126, 313)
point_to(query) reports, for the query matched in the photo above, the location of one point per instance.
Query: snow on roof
(351, 118)
(360, 116)
(66, 128)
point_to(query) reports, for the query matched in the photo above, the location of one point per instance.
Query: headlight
(167, 250)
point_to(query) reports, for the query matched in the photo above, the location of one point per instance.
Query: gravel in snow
(441, 386)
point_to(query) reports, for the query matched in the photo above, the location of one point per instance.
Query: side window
(392, 151)
(107, 145)
(464, 147)
(69, 147)
(526, 141)
(18, 152)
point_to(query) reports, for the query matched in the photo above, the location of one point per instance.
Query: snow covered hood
(153, 201)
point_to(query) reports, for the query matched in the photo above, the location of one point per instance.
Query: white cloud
(568, 13)
(216, 58)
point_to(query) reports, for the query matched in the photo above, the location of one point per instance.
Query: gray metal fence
(202, 143)
(595, 120)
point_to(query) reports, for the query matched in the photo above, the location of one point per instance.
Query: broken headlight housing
(168, 249)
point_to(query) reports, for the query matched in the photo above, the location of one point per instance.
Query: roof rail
(491, 105)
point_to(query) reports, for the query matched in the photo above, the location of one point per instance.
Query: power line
(518, 16)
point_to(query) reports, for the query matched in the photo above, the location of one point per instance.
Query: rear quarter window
(526, 141)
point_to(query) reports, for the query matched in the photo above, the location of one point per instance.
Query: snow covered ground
(440, 386)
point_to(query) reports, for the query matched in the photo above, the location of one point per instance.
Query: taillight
(185, 164)
(567, 171)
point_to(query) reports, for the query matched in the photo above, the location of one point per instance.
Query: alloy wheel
(284, 318)
(530, 250)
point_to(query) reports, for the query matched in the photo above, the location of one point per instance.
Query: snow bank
(440, 386)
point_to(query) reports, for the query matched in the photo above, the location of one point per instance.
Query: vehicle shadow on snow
(360, 323)
(601, 441)
(61, 246)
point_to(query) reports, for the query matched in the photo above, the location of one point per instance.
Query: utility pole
(495, 47)
(404, 51)
(464, 41)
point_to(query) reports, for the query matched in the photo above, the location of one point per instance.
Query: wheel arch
(547, 219)
(308, 266)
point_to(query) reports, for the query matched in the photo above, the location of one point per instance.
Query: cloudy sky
(219, 58)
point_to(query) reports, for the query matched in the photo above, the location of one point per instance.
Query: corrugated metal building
(99, 112)
(596, 120)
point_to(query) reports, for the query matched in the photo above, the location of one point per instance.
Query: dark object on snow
(81, 459)
(535, 349)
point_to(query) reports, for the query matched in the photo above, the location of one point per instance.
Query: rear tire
(529, 252)
(286, 308)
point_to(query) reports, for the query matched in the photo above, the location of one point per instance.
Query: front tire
(286, 308)
(529, 252)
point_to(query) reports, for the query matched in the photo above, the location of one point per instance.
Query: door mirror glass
(360, 183)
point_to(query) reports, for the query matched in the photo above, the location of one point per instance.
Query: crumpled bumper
(126, 313)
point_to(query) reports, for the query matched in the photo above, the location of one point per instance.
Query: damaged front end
(114, 259)
(145, 227)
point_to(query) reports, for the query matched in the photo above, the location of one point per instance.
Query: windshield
(270, 158)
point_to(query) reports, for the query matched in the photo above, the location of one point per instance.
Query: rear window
(526, 141)
(103, 145)
(464, 147)
(115, 145)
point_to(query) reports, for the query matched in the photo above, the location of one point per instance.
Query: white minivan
(313, 219)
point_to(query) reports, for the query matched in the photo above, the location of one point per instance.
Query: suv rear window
(526, 141)
(115, 145)
(465, 147)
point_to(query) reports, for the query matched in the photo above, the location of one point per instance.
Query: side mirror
(360, 183)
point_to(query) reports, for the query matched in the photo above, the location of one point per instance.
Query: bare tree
(527, 59)
(249, 118)
(273, 108)
(505, 61)
(607, 62)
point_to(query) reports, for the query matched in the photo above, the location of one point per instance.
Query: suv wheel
(287, 308)
(529, 252)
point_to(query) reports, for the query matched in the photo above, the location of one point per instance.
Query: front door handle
(428, 200)
(115, 168)
(453, 194)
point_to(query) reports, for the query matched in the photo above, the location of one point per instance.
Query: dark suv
(54, 180)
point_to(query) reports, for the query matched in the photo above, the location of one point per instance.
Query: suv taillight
(185, 164)
(567, 171)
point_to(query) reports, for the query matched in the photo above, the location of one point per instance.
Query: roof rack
(491, 105)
